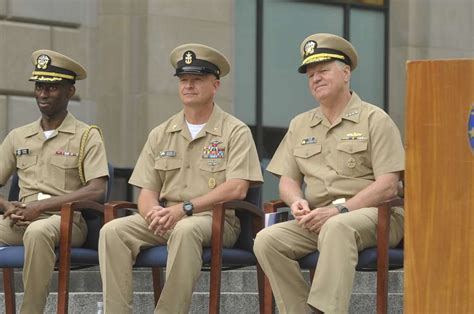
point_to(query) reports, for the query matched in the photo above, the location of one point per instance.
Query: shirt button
(185, 186)
(188, 166)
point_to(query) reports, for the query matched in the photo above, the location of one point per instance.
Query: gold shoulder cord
(82, 149)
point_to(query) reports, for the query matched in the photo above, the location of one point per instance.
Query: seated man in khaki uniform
(46, 154)
(198, 157)
(349, 154)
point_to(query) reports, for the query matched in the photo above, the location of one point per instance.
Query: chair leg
(63, 289)
(215, 293)
(267, 297)
(383, 227)
(157, 283)
(9, 290)
(263, 291)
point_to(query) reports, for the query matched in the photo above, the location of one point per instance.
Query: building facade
(125, 44)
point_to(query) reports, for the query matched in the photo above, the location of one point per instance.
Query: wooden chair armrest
(67, 216)
(272, 206)
(218, 218)
(110, 211)
(244, 206)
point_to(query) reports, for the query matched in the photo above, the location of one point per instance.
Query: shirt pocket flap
(65, 162)
(24, 162)
(352, 147)
(307, 151)
(165, 164)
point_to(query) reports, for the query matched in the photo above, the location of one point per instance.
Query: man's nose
(43, 92)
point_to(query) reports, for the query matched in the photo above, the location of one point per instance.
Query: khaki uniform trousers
(122, 239)
(278, 247)
(40, 239)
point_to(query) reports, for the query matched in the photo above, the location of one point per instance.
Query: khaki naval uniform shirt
(340, 160)
(181, 168)
(50, 166)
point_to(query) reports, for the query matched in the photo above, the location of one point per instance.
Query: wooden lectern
(439, 194)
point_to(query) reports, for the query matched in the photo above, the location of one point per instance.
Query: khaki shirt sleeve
(283, 162)
(144, 175)
(242, 159)
(95, 161)
(388, 154)
(7, 159)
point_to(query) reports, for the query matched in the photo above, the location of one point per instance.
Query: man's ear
(72, 90)
(347, 74)
(217, 83)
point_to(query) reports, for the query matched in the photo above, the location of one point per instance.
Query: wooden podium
(439, 193)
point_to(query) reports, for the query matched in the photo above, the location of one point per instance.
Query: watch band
(342, 209)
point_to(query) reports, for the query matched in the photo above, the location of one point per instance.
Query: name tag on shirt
(22, 151)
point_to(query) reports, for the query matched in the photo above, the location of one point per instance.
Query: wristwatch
(342, 209)
(188, 208)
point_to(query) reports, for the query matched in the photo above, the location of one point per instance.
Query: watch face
(188, 208)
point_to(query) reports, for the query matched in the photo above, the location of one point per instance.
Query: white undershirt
(48, 134)
(194, 129)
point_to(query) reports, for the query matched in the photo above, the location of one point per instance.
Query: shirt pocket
(213, 171)
(65, 172)
(352, 158)
(26, 165)
(167, 169)
(308, 158)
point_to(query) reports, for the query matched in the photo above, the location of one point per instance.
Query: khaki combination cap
(199, 59)
(325, 47)
(53, 67)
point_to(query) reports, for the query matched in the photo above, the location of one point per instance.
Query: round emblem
(309, 47)
(351, 163)
(470, 127)
(43, 61)
(211, 183)
(189, 57)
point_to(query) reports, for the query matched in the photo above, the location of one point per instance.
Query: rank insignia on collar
(350, 114)
(213, 151)
(470, 128)
(22, 151)
(308, 140)
(168, 153)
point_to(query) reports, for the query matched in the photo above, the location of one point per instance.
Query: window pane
(244, 67)
(270, 187)
(367, 35)
(286, 24)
